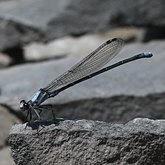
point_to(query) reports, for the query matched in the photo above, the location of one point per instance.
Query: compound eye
(23, 105)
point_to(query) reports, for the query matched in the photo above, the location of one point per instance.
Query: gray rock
(15, 34)
(138, 78)
(116, 109)
(96, 15)
(25, 21)
(77, 46)
(140, 141)
(6, 121)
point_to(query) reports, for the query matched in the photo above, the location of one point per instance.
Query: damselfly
(83, 70)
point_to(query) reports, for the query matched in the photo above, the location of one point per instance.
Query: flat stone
(140, 141)
(137, 78)
(6, 121)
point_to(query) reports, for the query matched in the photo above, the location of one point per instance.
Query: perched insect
(83, 70)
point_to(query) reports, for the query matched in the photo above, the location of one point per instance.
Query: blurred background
(40, 39)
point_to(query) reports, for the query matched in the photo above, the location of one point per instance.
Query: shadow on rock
(35, 125)
(118, 109)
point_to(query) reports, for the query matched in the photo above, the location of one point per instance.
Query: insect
(87, 68)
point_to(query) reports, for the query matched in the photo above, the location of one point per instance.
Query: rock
(6, 121)
(116, 109)
(137, 78)
(5, 157)
(72, 46)
(16, 33)
(21, 21)
(39, 20)
(140, 141)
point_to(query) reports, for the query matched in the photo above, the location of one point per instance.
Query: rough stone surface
(6, 121)
(25, 21)
(137, 78)
(140, 141)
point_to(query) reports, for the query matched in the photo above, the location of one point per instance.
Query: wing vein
(93, 62)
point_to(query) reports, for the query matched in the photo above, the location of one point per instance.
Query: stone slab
(140, 141)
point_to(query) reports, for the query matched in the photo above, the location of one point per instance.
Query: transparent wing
(93, 62)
